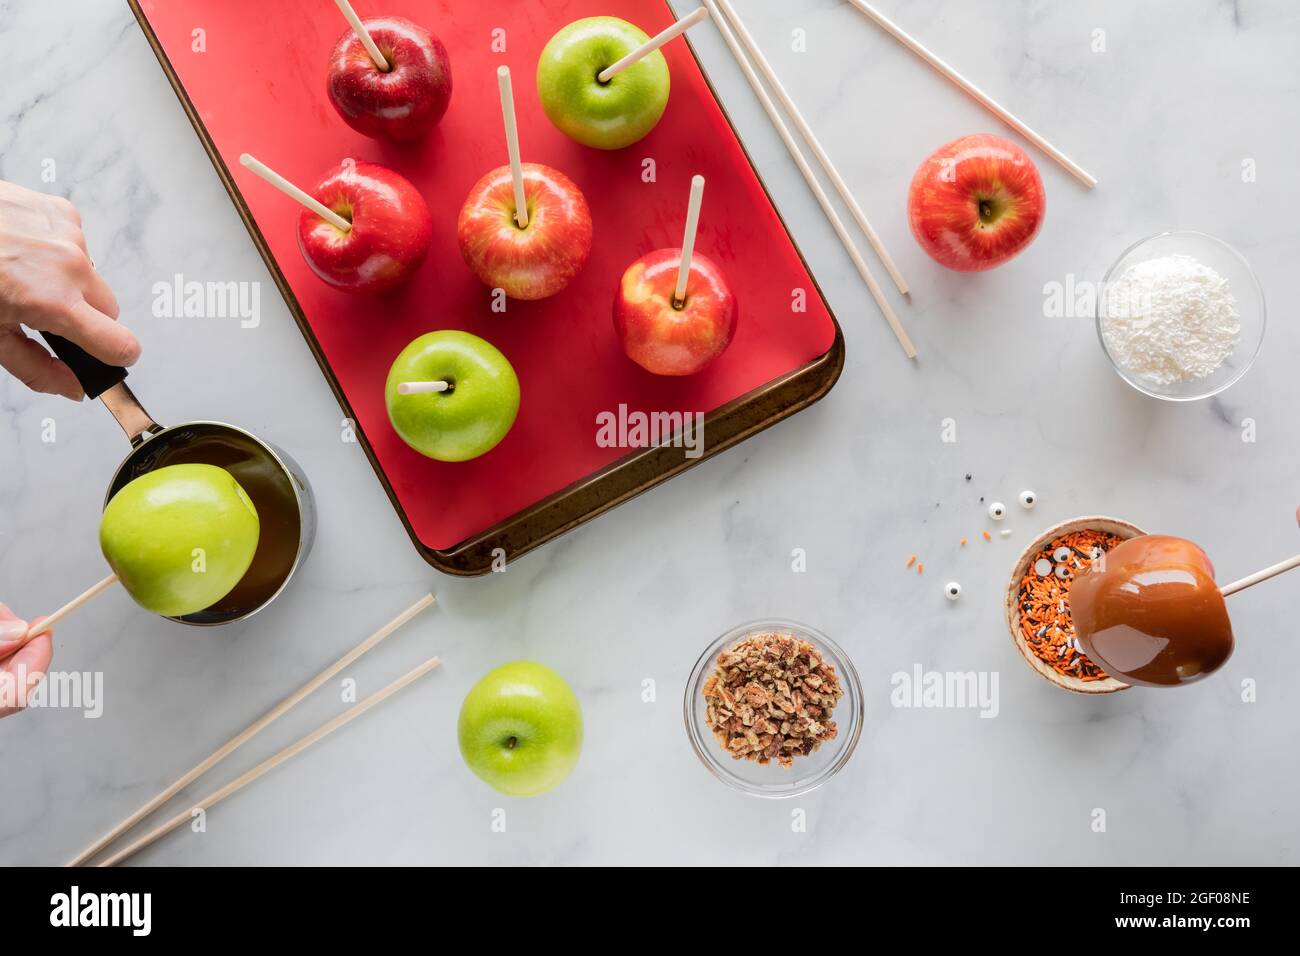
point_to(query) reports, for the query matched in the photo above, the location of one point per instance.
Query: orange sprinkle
(987, 536)
(1045, 621)
(911, 561)
(963, 542)
(920, 569)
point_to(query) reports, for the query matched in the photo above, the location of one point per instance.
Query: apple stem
(1258, 576)
(421, 388)
(654, 43)
(363, 34)
(511, 742)
(295, 193)
(512, 145)
(688, 239)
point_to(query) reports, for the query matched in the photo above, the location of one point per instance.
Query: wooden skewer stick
(654, 43)
(61, 613)
(688, 240)
(363, 34)
(810, 177)
(974, 92)
(1258, 576)
(810, 138)
(295, 748)
(512, 145)
(252, 730)
(421, 388)
(294, 193)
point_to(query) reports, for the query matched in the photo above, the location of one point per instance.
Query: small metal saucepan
(280, 491)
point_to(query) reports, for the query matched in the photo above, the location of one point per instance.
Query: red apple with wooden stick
(363, 228)
(388, 78)
(524, 227)
(674, 311)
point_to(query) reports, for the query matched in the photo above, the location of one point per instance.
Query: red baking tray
(251, 76)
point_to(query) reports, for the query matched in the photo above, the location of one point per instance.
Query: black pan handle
(96, 377)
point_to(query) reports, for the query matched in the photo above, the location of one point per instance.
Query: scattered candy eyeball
(1062, 554)
(997, 511)
(952, 590)
(1062, 571)
(1028, 499)
(1042, 567)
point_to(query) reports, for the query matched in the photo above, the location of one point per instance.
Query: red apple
(976, 203)
(540, 259)
(659, 336)
(401, 103)
(390, 234)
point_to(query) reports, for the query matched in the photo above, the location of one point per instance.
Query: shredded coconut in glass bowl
(1170, 320)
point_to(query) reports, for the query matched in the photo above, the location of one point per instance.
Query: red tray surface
(260, 87)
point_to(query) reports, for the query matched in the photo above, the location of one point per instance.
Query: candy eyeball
(952, 590)
(1062, 554)
(1028, 499)
(997, 511)
(1062, 571)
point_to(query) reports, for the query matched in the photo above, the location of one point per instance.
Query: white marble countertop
(1183, 94)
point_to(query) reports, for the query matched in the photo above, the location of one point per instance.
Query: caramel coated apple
(1151, 613)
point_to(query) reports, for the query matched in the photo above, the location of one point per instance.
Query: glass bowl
(1227, 262)
(772, 780)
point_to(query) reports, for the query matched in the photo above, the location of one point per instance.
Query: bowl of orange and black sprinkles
(1038, 600)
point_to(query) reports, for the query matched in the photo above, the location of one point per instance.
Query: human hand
(21, 668)
(48, 283)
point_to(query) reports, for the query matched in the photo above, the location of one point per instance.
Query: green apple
(475, 411)
(180, 538)
(520, 729)
(605, 115)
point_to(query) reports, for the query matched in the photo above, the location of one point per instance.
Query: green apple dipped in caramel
(465, 397)
(606, 115)
(180, 538)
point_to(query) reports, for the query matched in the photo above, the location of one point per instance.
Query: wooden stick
(295, 748)
(1258, 576)
(421, 388)
(252, 730)
(688, 240)
(810, 138)
(810, 177)
(90, 592)
(294, 193)
(363, 34)
(512, 145)
(971, 90)
(654, 43)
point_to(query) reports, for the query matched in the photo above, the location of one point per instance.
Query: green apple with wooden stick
(593, 91)
(451, 396)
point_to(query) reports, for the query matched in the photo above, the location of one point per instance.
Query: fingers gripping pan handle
(96, 377)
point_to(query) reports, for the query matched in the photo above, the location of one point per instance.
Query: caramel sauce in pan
(273, 496)
(1151, 614)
